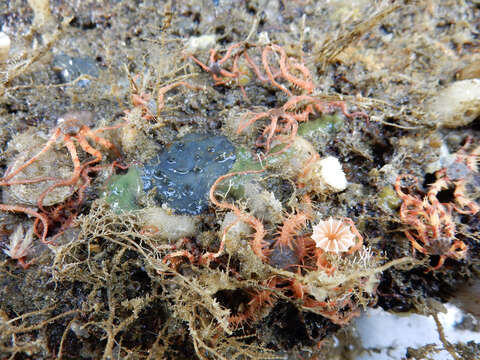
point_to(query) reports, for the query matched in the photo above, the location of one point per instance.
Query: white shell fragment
(333, 236)
(323, 176)
(203, 42)
(456, 105)
(332, 174)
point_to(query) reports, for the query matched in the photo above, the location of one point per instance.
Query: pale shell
(54, 163)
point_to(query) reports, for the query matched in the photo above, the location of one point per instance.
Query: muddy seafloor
(113, 284)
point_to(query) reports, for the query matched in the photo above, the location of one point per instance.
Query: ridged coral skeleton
(333, 236)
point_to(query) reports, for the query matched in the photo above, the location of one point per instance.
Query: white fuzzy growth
(20, 243)
(169, 226)
(332, 173)
(200, 43)
(5, 43)
(235, 230)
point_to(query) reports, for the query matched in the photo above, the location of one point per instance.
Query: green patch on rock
(388, 198)
(122, 191)
(245, 161)
(330, 124)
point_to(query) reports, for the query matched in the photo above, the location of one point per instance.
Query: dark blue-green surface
(184, 172)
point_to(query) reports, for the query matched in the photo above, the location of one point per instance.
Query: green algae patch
(245, 161)
(388, 198)
(123, 190)
(330, 124)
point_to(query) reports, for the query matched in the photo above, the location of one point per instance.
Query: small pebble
(5, 43)
(457, 105)
(69, 68)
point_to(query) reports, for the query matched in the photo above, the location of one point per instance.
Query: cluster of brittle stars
(283, 125)
(292, 236)
(222, 74)
(280, 129)
(433, 228)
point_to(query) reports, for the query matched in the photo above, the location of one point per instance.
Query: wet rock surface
(69, 68)
(183, 174)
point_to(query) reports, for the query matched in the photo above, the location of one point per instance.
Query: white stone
(5, 43)
(384, 335)
(456, 105)
(332, 173)
(200, 43)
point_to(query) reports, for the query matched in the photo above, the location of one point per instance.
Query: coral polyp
(333, 235)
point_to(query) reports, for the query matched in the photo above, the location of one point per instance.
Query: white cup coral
(333, 235)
